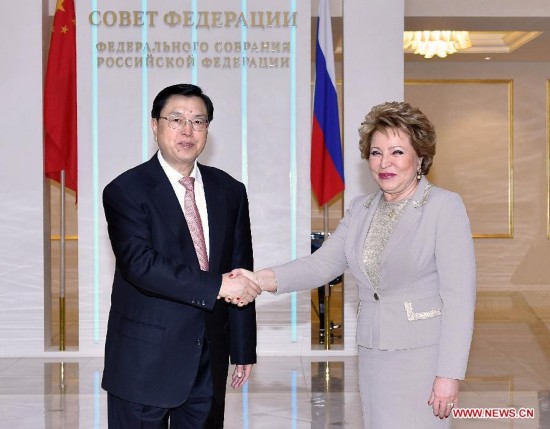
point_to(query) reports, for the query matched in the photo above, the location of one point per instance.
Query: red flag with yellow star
(60, 98)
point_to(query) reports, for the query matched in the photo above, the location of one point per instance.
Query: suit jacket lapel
(165, 199)
(406, 224)
(217, 208)
(370, 208)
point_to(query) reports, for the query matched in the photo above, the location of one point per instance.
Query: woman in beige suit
(410, 250)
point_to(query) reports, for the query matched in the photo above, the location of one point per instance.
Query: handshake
(241, 287)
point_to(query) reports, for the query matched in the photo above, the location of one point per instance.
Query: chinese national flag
(60, 98)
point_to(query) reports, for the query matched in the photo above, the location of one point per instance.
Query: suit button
(203, 303)
(376, 297)
(193, 301)
(199, 343)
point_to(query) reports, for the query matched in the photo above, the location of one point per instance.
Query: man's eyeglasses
(178, 122)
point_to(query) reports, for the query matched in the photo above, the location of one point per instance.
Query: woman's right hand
(242, 272)
(264, 278)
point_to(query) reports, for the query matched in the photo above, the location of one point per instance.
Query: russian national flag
(327, 166)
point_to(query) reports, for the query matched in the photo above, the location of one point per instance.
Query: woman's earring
(418, 174)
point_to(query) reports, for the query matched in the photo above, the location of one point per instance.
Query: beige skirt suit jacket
(427, 288)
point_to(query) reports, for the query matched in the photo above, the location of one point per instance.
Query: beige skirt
(395, 386)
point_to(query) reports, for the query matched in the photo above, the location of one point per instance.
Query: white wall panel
(21, 167)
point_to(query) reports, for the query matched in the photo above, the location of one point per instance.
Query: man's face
(181, 147)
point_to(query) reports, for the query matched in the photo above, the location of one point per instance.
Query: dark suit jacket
(162, 305)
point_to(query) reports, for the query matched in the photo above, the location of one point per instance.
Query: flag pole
(62, 267)
(60, 125)
(327, 285)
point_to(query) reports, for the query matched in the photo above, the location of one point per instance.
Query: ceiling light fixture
(440, 43)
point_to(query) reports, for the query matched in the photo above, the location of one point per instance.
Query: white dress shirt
(174, 177)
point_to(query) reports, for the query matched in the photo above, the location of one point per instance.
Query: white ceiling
(510, 39)
(500, 39)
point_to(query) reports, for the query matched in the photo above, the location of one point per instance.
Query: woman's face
(393, 164)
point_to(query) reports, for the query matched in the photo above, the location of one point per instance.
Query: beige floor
(509, 368)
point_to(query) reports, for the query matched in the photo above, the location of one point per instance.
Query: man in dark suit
(175, 226)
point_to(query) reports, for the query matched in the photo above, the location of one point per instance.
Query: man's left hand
(240, 375)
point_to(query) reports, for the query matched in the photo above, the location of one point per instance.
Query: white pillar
(373, 73)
